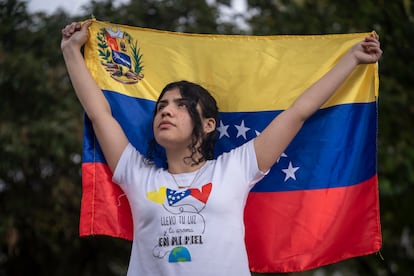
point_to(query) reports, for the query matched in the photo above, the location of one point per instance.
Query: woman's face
(172, 123)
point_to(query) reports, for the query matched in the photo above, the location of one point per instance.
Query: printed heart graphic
(203, 194)
(176, 196)
(158, 196)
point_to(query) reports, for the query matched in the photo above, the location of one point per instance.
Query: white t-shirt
(189, 231)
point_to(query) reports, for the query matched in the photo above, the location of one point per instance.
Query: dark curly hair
(195, 94)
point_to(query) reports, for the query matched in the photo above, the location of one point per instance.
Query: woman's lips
(165, 124)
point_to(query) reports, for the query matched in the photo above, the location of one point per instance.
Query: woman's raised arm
(109, 133)
(271, 143)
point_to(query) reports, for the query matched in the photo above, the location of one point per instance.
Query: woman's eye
(183, 103)
(160, 107)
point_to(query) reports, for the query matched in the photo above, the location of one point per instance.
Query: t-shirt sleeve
(129, 163)
(242, 160)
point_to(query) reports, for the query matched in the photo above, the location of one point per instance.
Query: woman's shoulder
(132, 162)
(240, 156)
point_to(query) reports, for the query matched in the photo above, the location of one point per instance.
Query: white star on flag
(241, 130)
(223, 130)
(290, 172)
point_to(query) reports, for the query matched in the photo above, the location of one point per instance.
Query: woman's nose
(166, 111)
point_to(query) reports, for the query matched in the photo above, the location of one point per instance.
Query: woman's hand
(367, 51)
(75, 35)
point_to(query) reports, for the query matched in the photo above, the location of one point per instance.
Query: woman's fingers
(70, 29)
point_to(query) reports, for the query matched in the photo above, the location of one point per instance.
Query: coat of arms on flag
(120, 54)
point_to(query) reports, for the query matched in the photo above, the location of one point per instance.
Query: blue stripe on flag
(335, 148)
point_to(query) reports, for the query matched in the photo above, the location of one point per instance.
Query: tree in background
(41, 125)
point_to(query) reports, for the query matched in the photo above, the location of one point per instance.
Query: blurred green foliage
(41, 124)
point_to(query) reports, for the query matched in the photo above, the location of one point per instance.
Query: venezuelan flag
(319, 203)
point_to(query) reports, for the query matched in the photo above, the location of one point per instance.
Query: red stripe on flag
(105, 209)
(281, 233)
(301, 230)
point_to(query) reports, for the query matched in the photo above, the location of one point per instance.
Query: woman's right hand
(75, 34)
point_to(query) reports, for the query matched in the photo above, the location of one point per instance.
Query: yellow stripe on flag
(244, 73)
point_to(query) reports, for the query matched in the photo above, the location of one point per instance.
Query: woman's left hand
(368, 50)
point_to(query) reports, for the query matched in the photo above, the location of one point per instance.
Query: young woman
(188, 218)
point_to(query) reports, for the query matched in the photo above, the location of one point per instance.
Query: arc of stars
(242, 130)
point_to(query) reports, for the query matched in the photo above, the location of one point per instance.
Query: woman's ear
(209, 125)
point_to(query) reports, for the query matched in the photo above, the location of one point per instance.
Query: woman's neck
(181, 162)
